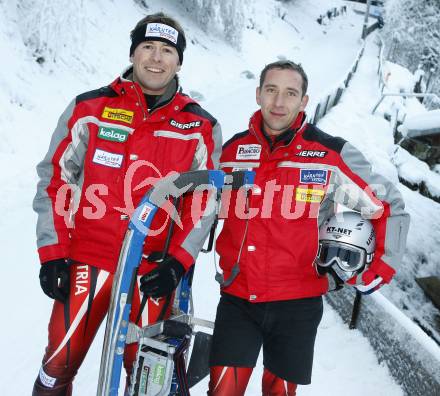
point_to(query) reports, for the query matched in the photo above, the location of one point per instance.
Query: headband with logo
(158, 32)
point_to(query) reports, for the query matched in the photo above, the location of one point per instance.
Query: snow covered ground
(34, 95)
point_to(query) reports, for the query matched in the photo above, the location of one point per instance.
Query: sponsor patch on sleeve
(248, 151)
(118, 115)
(106, 158)
(313, 176)
(309, 195)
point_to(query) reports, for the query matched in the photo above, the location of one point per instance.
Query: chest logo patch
(311, 154)
(309, 195)
(188, 125)
(105, 158)
(313, 176)
(113, 134)
(248, 151)
(118, 115)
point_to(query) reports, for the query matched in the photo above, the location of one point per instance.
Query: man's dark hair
(286, 64)
(160, 17)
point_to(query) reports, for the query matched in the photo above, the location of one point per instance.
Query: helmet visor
(349, 258)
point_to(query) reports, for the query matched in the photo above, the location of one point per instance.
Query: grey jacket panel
(71, 166)
(351, 195)
(194, 241)
(218, 141)
(42, 205)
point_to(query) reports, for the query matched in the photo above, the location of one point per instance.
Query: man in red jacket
(271, 294)
(109, 146)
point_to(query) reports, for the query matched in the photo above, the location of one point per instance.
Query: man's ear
(257, 96)
(304, 102)
(178, 68)
(131, 58)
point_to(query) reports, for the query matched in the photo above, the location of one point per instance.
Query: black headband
(158, 32)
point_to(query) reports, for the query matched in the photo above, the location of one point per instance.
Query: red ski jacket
(300, 177)
(107, 150)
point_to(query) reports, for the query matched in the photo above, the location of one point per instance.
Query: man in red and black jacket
(109, 147)
(271, 292)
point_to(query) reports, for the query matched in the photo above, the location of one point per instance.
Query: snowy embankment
(352, 119)
(385, 317)
(34, 95)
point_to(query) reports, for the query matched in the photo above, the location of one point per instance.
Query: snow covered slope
(33, 95)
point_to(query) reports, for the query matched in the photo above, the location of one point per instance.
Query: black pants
(285, 329)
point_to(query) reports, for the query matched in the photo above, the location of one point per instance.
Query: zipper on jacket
(165, 104)
(145, 114)
(259, 139)
(299, 130)
(154, 110)
(279, 147)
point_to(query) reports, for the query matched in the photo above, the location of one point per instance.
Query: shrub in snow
(227, 17)
(248, 74)
(48, 27)
(412, 35)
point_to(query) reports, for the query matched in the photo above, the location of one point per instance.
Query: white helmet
(346, 245)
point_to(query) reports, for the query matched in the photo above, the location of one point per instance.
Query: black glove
(164, 279)
(55, 279)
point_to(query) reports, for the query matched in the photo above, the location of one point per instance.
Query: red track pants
(73, 326)
(232, 381)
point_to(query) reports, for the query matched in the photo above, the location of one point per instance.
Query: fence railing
(372, 28)
(404, 95)
(330, 100)
(323, 106)
(380, 63)
(430, 100)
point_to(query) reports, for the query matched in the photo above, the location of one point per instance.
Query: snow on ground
(33, 97)
(420, 125)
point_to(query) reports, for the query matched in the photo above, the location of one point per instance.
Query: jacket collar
(285, 138)
(124, 84)
(125, 80)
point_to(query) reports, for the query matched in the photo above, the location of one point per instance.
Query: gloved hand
(164, 279)
(55, 279)
(372, 278)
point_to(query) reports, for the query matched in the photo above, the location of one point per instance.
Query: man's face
(155, 64)
(280, 99)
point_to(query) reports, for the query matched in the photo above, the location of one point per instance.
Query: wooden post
(355, 311)
(367, 14)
